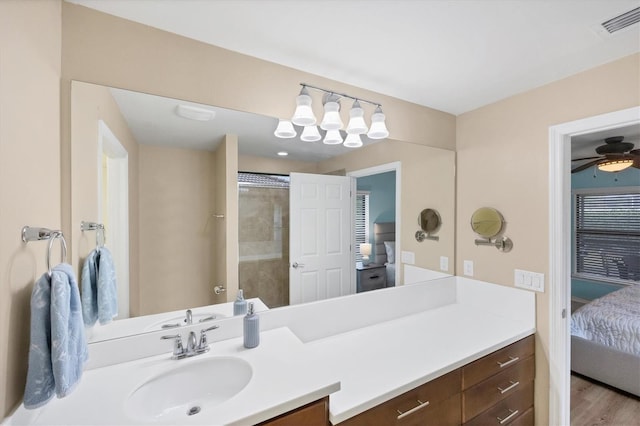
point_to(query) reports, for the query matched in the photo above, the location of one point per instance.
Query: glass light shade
(353, 141)
(356, 120)
(615, 165)
(378, 129)
(365, 250)
(333, 137)
(303, 116)
(331, 119)
(285, 130)
(310, 134)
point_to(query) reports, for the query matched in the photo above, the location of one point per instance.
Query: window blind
(607, 240)
(362, 221)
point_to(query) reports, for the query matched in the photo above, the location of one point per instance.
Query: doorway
(560, 250)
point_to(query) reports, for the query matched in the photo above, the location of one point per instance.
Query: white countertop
(362, 350)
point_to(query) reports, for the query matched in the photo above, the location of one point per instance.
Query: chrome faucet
(189, 318)
(194, 347)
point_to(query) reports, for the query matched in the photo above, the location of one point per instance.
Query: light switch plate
(444, 263)
(529, 280)
(468, 268)
(408, 257)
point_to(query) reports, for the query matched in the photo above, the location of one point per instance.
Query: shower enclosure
(263, 236)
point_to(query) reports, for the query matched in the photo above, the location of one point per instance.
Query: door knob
(297, 265)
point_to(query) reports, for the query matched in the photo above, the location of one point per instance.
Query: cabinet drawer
(372, 279)
(507, 411)
(496, 388)
(314, 414)
(526, 419)
(497, 361)
(436, 402)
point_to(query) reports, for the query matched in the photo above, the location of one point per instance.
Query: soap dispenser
(240, 304)
(251, 328)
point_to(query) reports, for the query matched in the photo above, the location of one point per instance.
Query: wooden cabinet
(436, 403)
(314, 414)
(494, 390)
(498, 388)
(371, 277)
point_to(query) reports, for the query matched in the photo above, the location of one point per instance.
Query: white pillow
(390, 247)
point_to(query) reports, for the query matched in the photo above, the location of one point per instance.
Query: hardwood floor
(593, 403)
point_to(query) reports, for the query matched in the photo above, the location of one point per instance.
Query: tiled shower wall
(264, 244)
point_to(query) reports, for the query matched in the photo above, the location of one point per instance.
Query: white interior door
(321, 264)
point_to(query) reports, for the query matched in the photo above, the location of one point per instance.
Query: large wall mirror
(167, 177)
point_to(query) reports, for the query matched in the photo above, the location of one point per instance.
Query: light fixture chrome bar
(342, 95)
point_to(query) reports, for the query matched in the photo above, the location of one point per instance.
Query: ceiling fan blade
(586, 165)
(585, 158)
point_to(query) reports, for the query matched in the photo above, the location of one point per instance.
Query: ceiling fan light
(615, 165)
(285, 130)
(310, 134)
(353, 141)
(303, 116)
(333, 137)
(378, 128)
(356, 121)
(331, 119)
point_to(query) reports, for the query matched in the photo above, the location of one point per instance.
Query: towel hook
(30, 233)
(98, 227)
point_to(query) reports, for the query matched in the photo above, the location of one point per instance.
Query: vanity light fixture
(332, 121)
(616, 165)
(283, 153)
(285, 130)
(195, 113)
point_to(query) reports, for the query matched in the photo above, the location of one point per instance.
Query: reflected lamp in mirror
(365, 251)
(429, 222)
(488, 223)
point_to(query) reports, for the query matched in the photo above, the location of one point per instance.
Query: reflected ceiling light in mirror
(616, 165)
(195, 113)
(310, 134)
(285, 130)
(333, 137)
(356, 120)
(378, 128)
(353, 141)
(303, 116)
(283, 153)
(331, 119)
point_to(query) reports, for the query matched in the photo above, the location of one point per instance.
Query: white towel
(58, 348)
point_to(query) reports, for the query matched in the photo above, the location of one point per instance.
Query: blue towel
(99, 289)
(58, 348)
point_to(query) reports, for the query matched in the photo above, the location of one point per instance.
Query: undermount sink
(178, 321)
(188, 389)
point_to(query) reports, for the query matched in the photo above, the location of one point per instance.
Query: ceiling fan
(615, 155)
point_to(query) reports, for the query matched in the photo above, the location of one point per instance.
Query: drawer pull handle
(512, 414)
(508, 388)
(374, 277)
(413, 410)
(512, 359)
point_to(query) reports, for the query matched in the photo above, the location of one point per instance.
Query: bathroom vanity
(448, 351)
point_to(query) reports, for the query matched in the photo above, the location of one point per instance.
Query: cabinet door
(314, 414)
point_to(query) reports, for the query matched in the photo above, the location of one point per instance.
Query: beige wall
(91, 103)
(249, 163)
(176, 228)
(427, 181)
(502, 152)
(29, 171)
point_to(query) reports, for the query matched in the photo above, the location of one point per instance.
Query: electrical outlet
(444, 263)
(468, 268)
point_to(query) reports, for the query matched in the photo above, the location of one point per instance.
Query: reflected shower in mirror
(182, 161)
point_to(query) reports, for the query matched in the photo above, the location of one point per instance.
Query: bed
(605, 339)
(384, 234)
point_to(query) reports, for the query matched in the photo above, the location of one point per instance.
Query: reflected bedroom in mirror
(199, 201)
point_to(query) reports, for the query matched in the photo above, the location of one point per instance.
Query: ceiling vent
(622, 21)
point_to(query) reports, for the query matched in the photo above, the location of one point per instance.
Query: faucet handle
(204, 344)
(178, 350)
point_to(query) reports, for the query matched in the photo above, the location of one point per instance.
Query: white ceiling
(454, 56)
